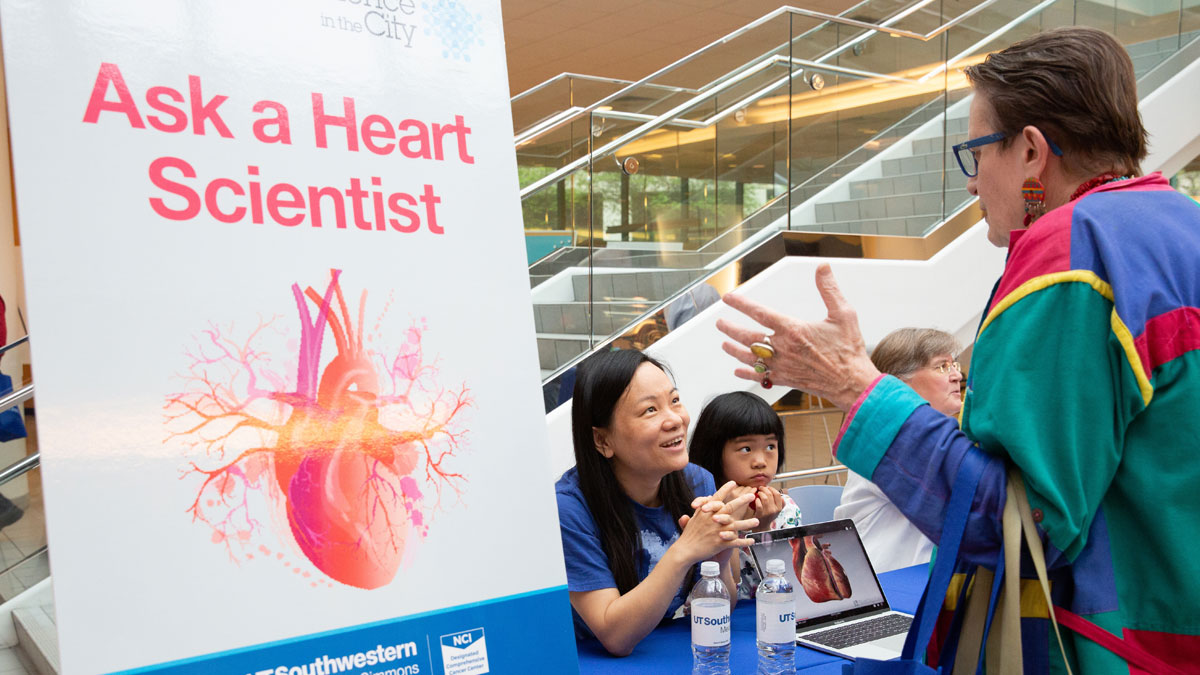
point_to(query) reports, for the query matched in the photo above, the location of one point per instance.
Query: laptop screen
(828, 567)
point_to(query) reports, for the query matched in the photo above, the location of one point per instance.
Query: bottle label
(776, 620)
(710, 622)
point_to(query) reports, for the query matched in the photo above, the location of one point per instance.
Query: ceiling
(623, 39)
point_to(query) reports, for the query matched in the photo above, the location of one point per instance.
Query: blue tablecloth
(669, 648)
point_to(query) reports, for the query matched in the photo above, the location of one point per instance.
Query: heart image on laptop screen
(820, 574)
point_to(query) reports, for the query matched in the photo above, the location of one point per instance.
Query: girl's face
(751, 460)
(646, 437)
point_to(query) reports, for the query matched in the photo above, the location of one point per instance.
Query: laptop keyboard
(862, 632)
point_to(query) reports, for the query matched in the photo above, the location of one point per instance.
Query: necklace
(1095, 182)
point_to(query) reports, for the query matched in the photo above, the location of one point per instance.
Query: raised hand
(827, 358)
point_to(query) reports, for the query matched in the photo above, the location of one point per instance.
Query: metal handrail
(810, 473)
(775, 59)
(15, 343)
(7, 401)
(13, 398)
(592, 78)
(645, 80)
(988, 38)
(667, 117)
(628, 136)
(882, 27)
(19, 467)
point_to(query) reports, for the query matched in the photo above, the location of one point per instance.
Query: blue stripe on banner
(508, 634)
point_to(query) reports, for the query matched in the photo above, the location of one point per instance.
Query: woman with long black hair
(630, 537)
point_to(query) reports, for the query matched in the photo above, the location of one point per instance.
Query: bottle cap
(775, 566)
(709, 568)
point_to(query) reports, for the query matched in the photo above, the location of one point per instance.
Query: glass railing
(798, 121)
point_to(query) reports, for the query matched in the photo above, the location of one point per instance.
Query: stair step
(13, 662)
(922, 163)
(652, 286)
(37, 637)
(907, 226)
(924, 146)
(572, 317)
(928, 181)
(891, 206)
(911, 225)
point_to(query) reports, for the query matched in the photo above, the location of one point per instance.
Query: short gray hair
(905, 351)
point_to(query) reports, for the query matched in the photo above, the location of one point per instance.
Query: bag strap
(955, 523)
(1132, 652)
(1016, 493)
(977, 619)
(1004, 652)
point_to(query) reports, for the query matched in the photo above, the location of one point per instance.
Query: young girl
(739, 438)
(631, 539)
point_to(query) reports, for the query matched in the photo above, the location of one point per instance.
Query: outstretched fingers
(831, 293)
(769, 318)
(740, 334)
(743, 354)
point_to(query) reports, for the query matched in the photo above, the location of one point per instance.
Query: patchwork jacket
(1085, 374)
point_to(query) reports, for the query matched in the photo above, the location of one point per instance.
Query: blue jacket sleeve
(912, 452)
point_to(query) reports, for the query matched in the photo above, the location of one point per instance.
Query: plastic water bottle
(776, 607)
(710, 623)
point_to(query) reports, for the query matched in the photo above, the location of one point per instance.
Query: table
(669, 648)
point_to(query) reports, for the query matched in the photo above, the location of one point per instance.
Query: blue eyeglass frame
(988, 140)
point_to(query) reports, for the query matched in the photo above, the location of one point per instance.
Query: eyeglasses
(946, 366)
(968, 159)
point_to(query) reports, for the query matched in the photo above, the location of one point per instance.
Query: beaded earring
(1034, 194)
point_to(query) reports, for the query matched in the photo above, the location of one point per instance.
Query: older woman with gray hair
(923, 358)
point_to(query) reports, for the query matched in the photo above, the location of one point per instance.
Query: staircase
(907, 199)
(903, 182)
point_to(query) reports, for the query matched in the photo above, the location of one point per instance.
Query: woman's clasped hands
(714, 529)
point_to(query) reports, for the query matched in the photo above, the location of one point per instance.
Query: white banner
(282, 338)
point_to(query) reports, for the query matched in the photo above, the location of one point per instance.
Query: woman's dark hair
(728, 416)
(600, 383)
(1076, 85)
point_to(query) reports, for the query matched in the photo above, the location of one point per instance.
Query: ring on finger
(763, 350)
(766, 379)
(760, 366)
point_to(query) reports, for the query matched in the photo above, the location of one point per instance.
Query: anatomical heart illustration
(343, 456)
(820, 574)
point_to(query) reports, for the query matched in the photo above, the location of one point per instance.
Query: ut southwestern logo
(706, 621)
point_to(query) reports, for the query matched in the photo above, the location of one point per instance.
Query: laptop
(840, 606)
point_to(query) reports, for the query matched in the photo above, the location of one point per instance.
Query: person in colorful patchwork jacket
(1085, 372)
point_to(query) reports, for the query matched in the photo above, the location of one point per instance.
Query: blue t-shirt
(587, 566)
